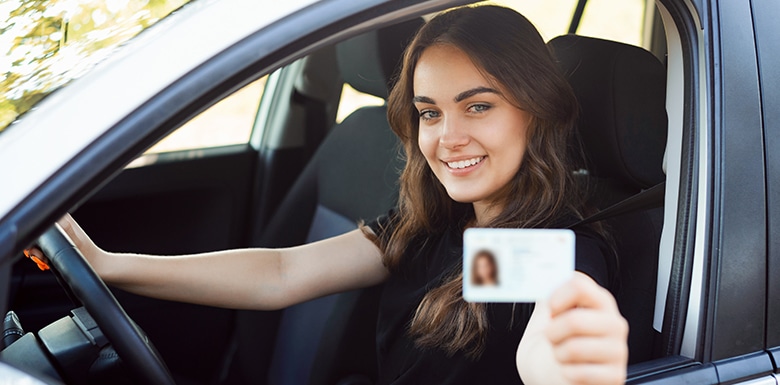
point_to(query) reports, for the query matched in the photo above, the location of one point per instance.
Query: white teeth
(465, 163)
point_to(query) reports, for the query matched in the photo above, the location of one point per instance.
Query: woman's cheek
(427, 142)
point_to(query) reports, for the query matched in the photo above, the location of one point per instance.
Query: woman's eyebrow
(475, 91)
(460, 97)
(423, 99)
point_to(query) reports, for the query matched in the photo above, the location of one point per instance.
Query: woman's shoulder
(383, 225)
(595, 257)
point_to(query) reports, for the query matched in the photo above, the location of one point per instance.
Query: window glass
(228, 122)
(614, 20)
(352, 99)
(618, 20)
(551, 17)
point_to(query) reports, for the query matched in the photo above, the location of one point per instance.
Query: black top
(424, 267)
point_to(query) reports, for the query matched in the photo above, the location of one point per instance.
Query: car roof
(68, 120)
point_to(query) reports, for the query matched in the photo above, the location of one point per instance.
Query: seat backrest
(623, 126)
(351, 177)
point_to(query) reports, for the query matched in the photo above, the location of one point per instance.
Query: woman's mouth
(465, 163)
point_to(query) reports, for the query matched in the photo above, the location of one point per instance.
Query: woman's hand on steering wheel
(91, 252)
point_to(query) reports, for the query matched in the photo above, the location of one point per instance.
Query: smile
(461, 164)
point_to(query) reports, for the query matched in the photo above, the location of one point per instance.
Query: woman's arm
(577, 337)
(261, 279)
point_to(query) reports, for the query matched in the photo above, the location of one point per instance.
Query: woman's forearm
(247, 278)
(262, 279)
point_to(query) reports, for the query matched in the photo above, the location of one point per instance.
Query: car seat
(352, 176)
(621, 90)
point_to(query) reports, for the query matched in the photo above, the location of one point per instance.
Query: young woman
(485, 118)
(484, 270)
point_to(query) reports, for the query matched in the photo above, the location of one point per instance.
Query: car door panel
(765, 16)
(750, 368)
(737, 266)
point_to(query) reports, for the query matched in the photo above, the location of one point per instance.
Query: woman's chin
(461, 197)
(466, 194)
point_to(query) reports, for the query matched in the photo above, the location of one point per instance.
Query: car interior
(304, 177)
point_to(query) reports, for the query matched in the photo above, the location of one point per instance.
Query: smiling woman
(45, 45)
(485, 123)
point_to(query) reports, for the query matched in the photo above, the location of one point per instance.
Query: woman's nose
(453, 134)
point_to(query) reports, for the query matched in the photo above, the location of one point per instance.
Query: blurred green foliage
(44, 44)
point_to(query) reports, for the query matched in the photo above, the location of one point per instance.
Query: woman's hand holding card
(576, 337)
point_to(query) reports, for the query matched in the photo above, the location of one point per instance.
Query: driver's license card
(515, 265)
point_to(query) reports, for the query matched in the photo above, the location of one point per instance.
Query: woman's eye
(477, 108)
(428, 114)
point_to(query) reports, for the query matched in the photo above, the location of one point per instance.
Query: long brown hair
(508, 49)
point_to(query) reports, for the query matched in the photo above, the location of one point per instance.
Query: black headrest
(368, 61)
(622, 94)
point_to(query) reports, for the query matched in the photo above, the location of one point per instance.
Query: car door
(719, 321)
(768, 52)
(715, 327)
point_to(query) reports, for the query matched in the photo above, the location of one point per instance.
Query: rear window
(617, 20)
(46, 44)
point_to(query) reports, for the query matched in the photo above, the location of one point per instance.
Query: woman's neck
(485, 212)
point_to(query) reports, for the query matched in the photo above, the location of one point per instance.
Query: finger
(581, 291)
(75, 232)
(581, 322)
(590, 350)
(594, 374)
(69, 225)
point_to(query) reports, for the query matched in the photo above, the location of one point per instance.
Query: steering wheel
(127, 339)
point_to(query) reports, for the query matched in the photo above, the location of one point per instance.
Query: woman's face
(471, 136)
(485, 270)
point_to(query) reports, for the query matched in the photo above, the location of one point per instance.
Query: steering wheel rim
(129, 342)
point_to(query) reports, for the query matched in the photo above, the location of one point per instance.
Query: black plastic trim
(654, 367)
(774, 354)
(765, 16)
(744, 368)
(699, 374)
(728, 371)
(577, 16)
(735, 321)
(8, 235)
